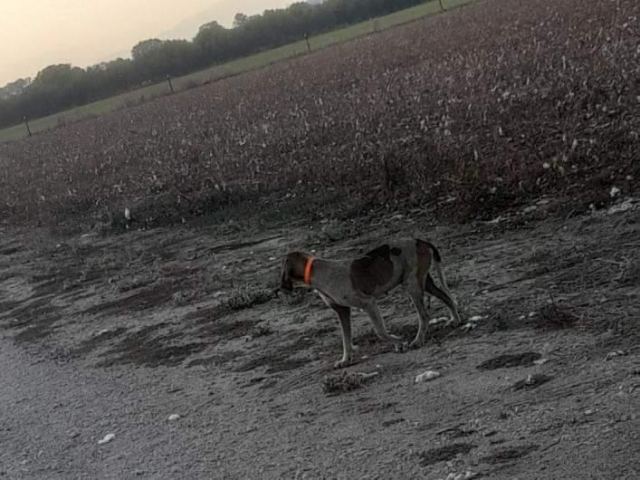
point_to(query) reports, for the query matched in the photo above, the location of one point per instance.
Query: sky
(38, 33)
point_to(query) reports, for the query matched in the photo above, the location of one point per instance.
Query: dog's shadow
(370, 344)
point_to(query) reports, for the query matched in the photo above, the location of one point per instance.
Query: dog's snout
(286, 285)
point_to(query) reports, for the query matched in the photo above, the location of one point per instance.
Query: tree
(145, 48)
(239, 20)
(62, 86)
(213, 42)
(14, 88)
(153, 59)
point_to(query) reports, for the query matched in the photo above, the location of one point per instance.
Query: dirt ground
(114, 334)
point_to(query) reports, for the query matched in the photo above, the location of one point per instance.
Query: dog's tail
(437, 265)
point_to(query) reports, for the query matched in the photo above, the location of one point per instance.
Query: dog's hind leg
(433, 289)
(379, 327)
(344, 315)
(417, 296)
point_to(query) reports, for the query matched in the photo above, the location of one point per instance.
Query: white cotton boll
(106, 439)
(427, 376)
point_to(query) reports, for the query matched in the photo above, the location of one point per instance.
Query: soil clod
(511, 360)
(444, 454)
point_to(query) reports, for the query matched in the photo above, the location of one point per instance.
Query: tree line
(59, 87)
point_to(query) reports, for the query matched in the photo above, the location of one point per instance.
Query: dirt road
(113, 335)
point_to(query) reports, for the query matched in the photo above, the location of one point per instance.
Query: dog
(358, 283)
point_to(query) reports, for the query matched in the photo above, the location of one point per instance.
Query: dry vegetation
(508, 103)
(477, 110)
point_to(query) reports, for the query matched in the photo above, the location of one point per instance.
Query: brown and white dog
(358, 283)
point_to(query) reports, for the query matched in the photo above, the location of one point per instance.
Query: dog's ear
(292, 270)
(372, 271)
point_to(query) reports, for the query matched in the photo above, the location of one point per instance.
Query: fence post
(441, 6)
(306, 39)
(170, 84)
(26, 123)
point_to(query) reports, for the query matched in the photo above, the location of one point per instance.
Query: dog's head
(292, 270)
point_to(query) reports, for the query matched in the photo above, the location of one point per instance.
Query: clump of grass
(182, 298)
(345, 382)
(555, 317)
(260, 331)
(296, 297)
(247, 297)
(629, 274)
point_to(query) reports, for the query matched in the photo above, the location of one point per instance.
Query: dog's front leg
(344, 315)
(380, 329)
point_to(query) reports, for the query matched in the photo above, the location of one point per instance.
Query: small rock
(616, 353)
(476, 318)
(614, 192)
(498, 219)
(435, 321)
(427, 376)
(459, 476)
(530, 208)
(540, 361)
(106, 439)
(589, 412)
(368, 376)
(628, 204)
(173, 417)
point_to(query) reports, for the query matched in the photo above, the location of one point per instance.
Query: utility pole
(170, 84)
(26, 123)
(306, 39)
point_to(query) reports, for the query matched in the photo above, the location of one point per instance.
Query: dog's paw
(342, 363)
(401, 347)
(453, 323)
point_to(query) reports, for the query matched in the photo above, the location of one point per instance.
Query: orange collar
(307, 270)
